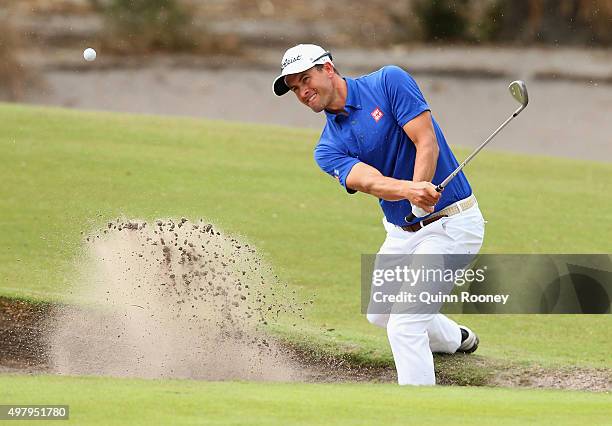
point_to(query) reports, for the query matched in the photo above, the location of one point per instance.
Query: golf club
(518, 89)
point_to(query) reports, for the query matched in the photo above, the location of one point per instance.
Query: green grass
(64, 172)
(143, 402)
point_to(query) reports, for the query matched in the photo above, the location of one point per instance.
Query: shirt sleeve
(334, 162)
(404, 95)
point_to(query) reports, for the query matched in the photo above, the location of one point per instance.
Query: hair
(319, 67)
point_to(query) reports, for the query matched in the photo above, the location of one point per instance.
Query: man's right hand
(423, 195)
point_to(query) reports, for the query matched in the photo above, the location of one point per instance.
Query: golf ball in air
(89, 54)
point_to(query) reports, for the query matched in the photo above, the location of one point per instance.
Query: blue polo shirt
(378, 106)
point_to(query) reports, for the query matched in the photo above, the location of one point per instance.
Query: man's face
(313, 87)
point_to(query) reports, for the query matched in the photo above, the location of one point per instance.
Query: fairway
(140, 402)
(68, 173)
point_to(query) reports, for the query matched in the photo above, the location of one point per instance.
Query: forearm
(365, 178)
(386, 188)
(426, 160)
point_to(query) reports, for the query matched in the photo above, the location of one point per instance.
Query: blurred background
(217, 59)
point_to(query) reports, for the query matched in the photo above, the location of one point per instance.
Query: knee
(407, 324)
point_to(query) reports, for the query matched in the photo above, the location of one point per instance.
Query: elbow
(429, 147)
(435, 145)
(427, 143)
(432, 144)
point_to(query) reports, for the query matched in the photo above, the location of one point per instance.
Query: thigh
(378, 313)
(459, 234)
(466, 230)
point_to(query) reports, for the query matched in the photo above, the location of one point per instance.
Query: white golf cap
(297, 59)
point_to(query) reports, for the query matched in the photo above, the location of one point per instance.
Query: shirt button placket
(358, 134)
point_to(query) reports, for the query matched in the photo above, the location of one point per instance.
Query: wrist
(407, 189)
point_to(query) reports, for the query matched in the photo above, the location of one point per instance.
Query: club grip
(419, 212)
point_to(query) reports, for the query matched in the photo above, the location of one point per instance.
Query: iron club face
(518, 90)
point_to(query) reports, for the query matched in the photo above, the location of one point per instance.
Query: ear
(329, 68)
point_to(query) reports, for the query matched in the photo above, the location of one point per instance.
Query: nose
(304, 93)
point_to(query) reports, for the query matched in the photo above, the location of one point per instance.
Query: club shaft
(520, 96)
(450, 177)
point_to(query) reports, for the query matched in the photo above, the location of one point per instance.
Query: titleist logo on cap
(289, 61)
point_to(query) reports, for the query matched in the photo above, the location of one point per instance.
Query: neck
(340, 92)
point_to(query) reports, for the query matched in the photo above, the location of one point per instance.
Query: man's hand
(422, 194)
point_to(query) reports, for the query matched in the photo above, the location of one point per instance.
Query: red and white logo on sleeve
(377, 114)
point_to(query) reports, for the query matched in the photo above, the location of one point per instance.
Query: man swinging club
(381, 139)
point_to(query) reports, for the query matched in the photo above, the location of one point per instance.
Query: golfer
(381, 139)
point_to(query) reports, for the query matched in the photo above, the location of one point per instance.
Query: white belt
(456, 208)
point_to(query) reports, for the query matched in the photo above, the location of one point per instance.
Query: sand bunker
(172, 299)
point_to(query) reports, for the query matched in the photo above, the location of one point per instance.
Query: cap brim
(279, 87)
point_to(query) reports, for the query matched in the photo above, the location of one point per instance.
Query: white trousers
(413, 337)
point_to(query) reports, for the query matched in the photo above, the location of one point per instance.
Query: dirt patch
(22, 334)
(587, 379)
(26, 350)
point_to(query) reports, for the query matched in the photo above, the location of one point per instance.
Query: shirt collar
(353, 98)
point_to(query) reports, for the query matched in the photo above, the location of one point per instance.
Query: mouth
(311, 99)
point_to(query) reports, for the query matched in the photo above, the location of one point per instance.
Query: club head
(518, 90)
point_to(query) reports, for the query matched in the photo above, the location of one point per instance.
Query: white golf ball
(89, 54)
